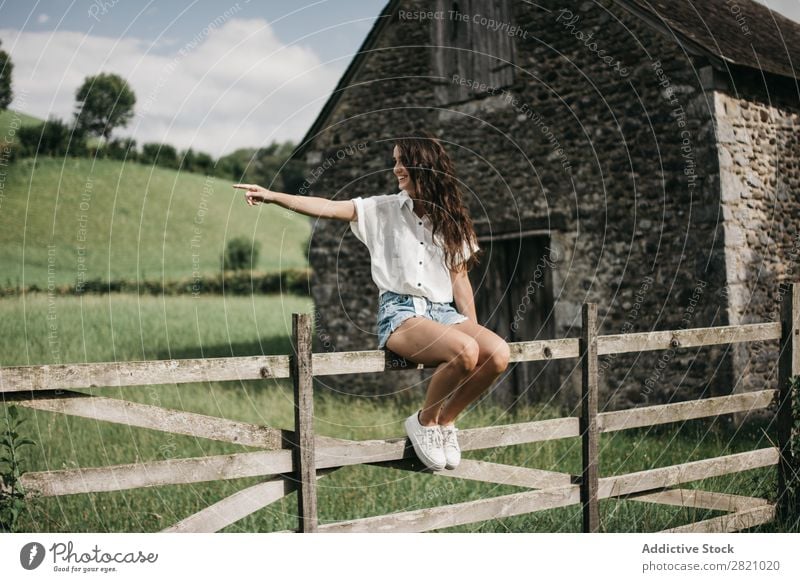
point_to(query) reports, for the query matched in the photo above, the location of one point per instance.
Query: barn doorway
(513, 288)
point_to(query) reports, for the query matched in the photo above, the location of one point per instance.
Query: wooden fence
(294, 460)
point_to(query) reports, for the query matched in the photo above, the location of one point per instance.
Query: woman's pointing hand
(254, 194)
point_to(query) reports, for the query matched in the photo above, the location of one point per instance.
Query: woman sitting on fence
(422, 244)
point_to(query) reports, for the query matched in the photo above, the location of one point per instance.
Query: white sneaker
(452, 451)
(427, 442)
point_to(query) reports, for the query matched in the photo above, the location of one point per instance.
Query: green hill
(72, 219)
(10, 121)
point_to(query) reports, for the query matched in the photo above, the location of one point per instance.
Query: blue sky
(213, 75)
(348, 21)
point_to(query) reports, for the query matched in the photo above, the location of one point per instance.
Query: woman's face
(400, 172)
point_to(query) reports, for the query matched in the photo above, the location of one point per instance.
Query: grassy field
(122, 327)
(127, 327)
(67, 219)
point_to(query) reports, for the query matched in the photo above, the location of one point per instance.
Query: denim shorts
(394, 309)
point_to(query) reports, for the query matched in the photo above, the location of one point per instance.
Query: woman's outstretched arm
(308, 205)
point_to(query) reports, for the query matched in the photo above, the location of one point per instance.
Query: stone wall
(759, 160)
(625, 163)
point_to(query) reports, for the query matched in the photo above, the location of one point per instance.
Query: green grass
(125, 327)
(36, 329)
(72, 218)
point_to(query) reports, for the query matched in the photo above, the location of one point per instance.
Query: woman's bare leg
(455, 355)
(468, 357)
(492, 361)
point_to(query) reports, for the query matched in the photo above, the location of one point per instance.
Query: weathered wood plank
(376, 450)
(143, 373)
(527, 502)
(664, 477)
(200, 469)
(487, 472)
(238, 506)
(588, 422)
(538, 350)
(154, 418)
(460, 513)
(233, 508)
(359, 452)
(66, 376)
(152, 474)
(509, 475)
(686, 338)
(729, 523)
(329, 453)
(679, 411)
(700, 499)
(788, 368)
(304, 461)
(326, 364)
(517, 434)
(329, 363)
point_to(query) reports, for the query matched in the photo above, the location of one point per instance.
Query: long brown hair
(434, 177)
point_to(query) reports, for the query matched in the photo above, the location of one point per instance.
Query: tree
(104, 102)
(6, 95)
(187, 160)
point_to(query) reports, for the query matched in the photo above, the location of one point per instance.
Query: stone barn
(642, 155)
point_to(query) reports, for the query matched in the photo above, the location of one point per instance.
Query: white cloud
(234, 85)
(42, 18)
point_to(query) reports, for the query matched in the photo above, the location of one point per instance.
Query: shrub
(240, 253)
(51, 138)
(203, 163)
(12, 493)
(159, 155)
(116, 149)
(122, 149)
(200, 162)
(294, 281)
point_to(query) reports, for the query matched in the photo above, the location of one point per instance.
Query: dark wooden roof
(720, 28)
(708, 27)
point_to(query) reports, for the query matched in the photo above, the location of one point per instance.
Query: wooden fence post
(788, 366)
(588, 422)
(304, 460)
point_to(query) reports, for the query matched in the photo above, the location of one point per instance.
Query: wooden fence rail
(293, 460)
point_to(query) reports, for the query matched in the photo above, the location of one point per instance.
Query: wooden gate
(295, 459)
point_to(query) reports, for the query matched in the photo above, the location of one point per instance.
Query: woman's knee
(497, 357)
(467, 354)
